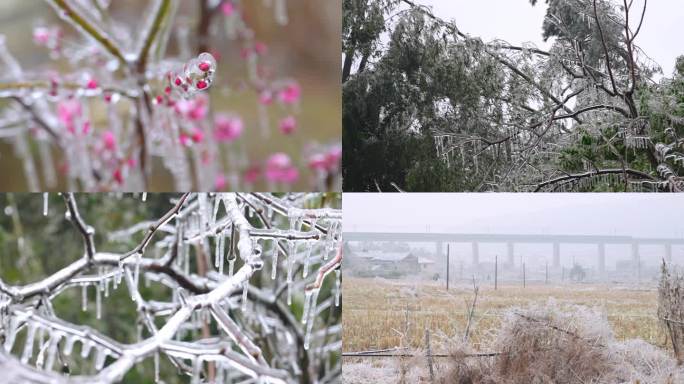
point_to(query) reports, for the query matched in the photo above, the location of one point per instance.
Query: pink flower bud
(204, 66)
(197, 135)
(221, 182)
(109, 140)
(290, 94)
(228, 8)
(227, 128)
(288, 125)
(92, 84)
(202, 84)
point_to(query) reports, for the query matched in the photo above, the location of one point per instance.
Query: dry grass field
(375, 310)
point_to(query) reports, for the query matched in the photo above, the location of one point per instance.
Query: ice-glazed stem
(68, 12)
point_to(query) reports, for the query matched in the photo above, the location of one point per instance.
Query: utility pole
(546, 279)
(447, 277)
(496, 271)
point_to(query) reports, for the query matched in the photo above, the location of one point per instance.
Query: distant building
(385, 264)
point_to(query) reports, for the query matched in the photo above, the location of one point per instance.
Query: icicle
(84, 297)
(217, 205)
(307, 304)
(69, 345)
(274, 268)
(45, 203)
(136, 273)
(28, 347)
(290, 269)
(144, 197)
(85, 348)
(231, 266)
(11, 333)
(156, 366)
(311, 318)
(196, 369)
(100, 358)
(281, 12)
(105, 286)
(98, 302)
(119, 274)
(52, 351)
(305, 271)
(202, 199)
(220, 249)
(244, 297)
(338, 286)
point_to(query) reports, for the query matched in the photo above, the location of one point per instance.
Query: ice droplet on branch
(196, 75)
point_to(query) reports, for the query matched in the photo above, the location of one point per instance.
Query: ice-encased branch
(246, 314)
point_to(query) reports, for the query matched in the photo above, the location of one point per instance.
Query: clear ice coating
(242, 296)
(196, 75)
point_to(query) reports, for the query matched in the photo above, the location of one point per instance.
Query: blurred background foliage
(33, 246)
(306, 50)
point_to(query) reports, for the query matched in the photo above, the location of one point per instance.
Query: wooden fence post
(429, 355)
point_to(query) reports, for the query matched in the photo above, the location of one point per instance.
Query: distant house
(425, 263)
(386, 264)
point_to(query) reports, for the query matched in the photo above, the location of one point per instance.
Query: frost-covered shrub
(226, 288)
(122, 104)
(560, 344)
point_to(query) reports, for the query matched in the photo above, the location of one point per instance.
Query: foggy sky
(517, 21)
(644, 215)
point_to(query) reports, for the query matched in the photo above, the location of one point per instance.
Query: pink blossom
(109, 140)
(228, 8)
(67, 111)
(118, 176)
(288, 125)
(290, 94)
(252, 174)
(278, 161)
(290, 175)
(92, 84)
(279, 168)
(41, 35)
(196, 135)
(318, 162)
(193, 109)
(228, 128)
(266, 97)
(221, 182)
(260, 48)
(184, 139)
(334, 157)
(86, 127)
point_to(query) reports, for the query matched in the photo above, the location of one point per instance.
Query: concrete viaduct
(510, 240)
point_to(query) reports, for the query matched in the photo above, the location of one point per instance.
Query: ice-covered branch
(257, 336)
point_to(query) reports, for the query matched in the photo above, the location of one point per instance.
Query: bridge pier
(668, 252)
(602, 258)
(556, 255)
(476, 253)
(636, 259)
(510, 253)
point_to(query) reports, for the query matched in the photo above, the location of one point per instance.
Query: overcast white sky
(517, 21)
(646, 215)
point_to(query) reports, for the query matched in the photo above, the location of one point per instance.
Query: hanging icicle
(45, 203)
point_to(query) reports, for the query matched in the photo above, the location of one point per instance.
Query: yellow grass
(375, 310)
